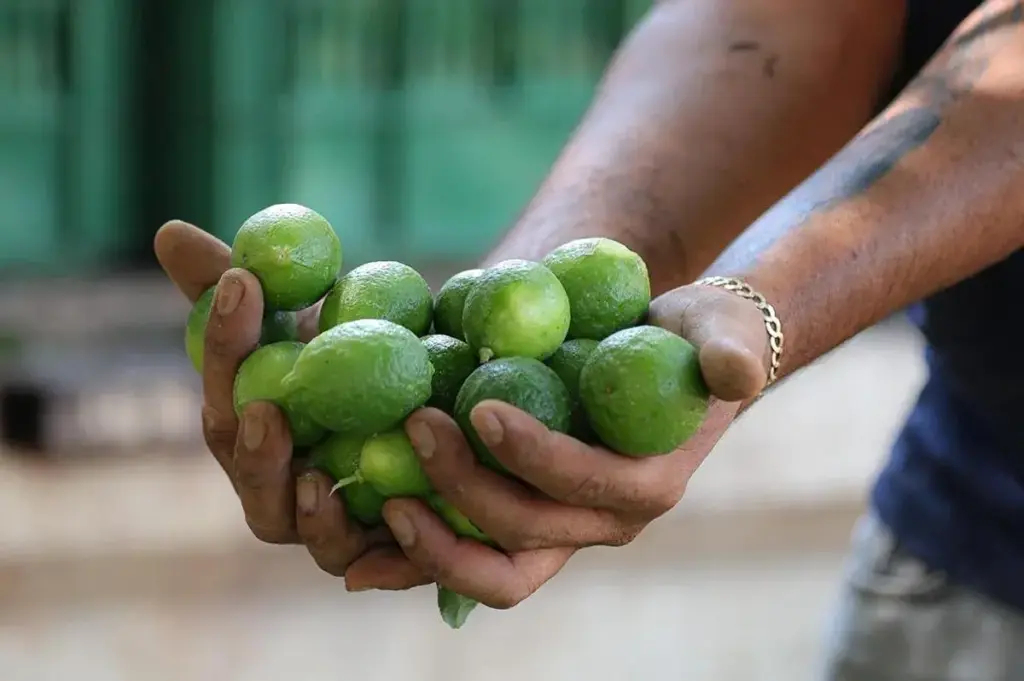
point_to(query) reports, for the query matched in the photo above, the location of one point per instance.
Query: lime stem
(345, 482)
(486, 355)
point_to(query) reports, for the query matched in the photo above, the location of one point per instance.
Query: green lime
(259, 379)
(293, 251)
(389, 463)
(643, 391)
(277, 326)
(567, 362)
(450, 301)
(454, 518)
(338, 456)
(607, 284)
(361, 377)
(517, 309)
(453, 362)
(380, 290)
(523, 382)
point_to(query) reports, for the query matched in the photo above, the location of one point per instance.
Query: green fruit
(643, 391)
(380, 290)
(277, 326)
(523, 382)
(567, 362)
(361, 377)
(293, 251)
(456, 520)
(517, 309)
(607, 284)
(259, 379)
(338, 456)
(451, 300)
(453, 362)
(389, 463)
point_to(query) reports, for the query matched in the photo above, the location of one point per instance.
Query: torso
(953, 491)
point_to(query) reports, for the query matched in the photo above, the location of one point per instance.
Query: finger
(465, 566)
(263, 474)
(385, 568)
(333, 540)
(231, 334)
(574, 473)
(515, 518)
(193, 259)
(729, 332)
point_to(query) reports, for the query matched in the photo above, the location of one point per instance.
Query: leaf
(454, 608)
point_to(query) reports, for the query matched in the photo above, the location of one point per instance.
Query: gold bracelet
(772, 323)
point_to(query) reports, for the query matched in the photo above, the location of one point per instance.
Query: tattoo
(879, 148)
(745, 46)
(1008, 17)
(770, 61)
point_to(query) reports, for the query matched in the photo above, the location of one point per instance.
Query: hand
(257, 454)
(578, 495)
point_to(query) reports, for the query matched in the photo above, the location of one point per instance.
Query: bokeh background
(419, 128)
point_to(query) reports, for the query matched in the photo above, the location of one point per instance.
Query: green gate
(63, 133)
(419, 128)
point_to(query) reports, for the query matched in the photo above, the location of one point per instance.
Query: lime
(454, 518)
(277, 326)
(380, 290)
(450, 301)
(338, 456)
(293, 251)
(259, 379)
(389, 463)
(516, 309)
(643, 391)
(523, 382)
(567, 362)
(607, 284)
(453, 362)
(361, 377)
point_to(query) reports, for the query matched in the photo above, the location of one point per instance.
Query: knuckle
(590, 489)
(505, 600)
(251, 477)
(220, 436)
(270, 533)
(622, 537)
(331, 562)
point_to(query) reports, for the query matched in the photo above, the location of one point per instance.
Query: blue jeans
(900, 620)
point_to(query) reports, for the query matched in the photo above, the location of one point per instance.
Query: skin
(924, 196)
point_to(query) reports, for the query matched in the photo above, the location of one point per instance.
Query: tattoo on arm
(879, 148)
(874, 153)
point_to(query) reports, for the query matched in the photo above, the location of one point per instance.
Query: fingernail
(254, 431)
(422, 439)
(402, 529)
(307, 494)
(354, 588)
(487, 426)
(229, 295)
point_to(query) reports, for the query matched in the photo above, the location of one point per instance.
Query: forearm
(711, 112)
(931, 193)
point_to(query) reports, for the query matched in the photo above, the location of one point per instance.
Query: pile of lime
(562, 339)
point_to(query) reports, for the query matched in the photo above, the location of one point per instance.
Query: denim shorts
(900, 620)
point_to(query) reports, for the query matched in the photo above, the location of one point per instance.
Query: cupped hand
(574, 495)
(282, 505)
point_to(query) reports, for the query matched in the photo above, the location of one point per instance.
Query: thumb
(728, 332)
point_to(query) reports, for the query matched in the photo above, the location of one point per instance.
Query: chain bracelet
(772, 323)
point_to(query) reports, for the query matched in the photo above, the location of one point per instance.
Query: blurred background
(419, 128)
